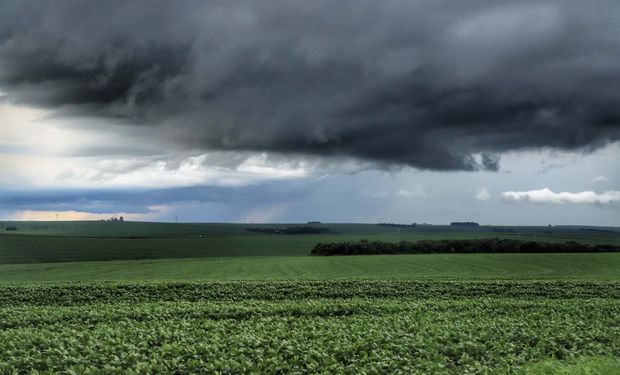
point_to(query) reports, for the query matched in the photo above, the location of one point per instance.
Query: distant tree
(491, 245)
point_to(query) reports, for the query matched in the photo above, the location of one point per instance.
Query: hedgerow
(485, 245)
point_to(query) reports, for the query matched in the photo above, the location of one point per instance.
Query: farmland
(100, 298)
(300, 327)
(432, 266)
(45, 242)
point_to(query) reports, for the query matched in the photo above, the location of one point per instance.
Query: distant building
(464, 224)
(314, 222)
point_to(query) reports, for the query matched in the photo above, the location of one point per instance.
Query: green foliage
(103, 292)
(345, 327)
(484, 245)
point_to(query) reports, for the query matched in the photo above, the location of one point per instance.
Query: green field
(309, 327)
(143, 298)
(603, 266)
(44, 242)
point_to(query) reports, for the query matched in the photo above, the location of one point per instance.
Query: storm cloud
(438, 85)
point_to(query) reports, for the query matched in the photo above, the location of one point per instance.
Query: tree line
(492, 245)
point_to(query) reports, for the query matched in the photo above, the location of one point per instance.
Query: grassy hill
(96, 250)
(36, 242)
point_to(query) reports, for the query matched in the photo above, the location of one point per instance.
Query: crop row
(88, 293)
(468, 336)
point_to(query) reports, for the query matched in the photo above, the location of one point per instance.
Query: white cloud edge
(546, 195)
(600, 179)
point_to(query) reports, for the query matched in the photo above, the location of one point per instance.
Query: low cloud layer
(434, 85)
(548, 196)
(144, 201)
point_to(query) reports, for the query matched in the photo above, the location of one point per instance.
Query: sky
(498, 112)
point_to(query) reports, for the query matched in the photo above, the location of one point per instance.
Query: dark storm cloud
(440, 85)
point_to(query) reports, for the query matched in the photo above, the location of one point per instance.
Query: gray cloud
(436, 85)
(140, 200)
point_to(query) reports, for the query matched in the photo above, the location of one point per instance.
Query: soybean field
(285, 327)
(145, 298)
